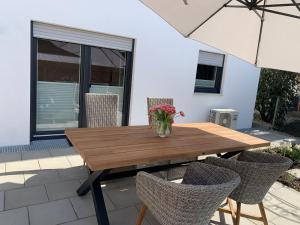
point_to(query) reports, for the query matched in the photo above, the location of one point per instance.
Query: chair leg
(231, 208)
(141, 215)
(238, 213)
(263, 213)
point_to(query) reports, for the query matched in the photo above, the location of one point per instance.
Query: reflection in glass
(58, 70)
(108, 73)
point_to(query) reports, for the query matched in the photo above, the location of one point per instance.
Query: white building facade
(42, 78)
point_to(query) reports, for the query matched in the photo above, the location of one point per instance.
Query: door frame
(84, 79)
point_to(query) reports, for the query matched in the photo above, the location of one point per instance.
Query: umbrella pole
(275, 111)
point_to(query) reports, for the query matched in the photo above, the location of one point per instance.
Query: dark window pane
(58, 61)
(206, 76)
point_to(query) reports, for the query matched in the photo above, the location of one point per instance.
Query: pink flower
(169, 109)
(181, 113)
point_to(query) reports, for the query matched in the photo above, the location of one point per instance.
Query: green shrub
(291, 152)
(273, 84)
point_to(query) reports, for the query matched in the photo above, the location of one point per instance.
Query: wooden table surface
(114, 147)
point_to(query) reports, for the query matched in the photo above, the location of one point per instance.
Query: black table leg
(93, 183)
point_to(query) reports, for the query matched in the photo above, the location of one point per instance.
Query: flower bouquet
(162, 117)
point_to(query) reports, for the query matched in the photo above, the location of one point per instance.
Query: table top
(114, 147)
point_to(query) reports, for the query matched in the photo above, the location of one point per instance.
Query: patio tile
(125, 216)
(118, 183)
(14, 217)
(75, 160)
(283, 205)
(28, 155)
(1, 200)
(225, 219)
(86, 221)
(61, 190)
(2, 168)
(25, 196)
(276, 186)
(84, 206)
(26, 165)
(295, 172)
(52, 213)
(62, 151)
(78, 172)
(11, 181)
(10, 156)
(123, 197)
(41, 177)
(54, 163)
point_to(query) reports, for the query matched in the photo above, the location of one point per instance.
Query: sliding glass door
(63, 72)
(58, 73)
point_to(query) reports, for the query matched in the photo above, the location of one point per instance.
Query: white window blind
(67, 34)
(211, 59)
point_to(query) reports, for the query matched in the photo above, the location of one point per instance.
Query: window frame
(84, 88)
(218, 81)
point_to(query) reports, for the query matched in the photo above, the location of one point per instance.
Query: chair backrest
(258, 172)
(101, 110)
(190, 203)
(157, 101)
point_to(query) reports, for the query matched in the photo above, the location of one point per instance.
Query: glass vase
(163, 129)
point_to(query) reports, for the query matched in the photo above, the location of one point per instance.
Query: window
(64, 72)
(209, 72)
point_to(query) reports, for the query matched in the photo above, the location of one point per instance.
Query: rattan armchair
(157, 101)
(258, 172)
(101, 110)
(203, 189)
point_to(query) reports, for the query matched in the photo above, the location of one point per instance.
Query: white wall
(164, 62)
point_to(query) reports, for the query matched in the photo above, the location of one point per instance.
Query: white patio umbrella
(263, 32)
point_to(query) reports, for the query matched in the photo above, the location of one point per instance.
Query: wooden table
(104, 149)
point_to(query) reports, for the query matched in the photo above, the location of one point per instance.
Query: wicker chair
(101, 110)
(157, 101)
(203, 189)
(258, 171)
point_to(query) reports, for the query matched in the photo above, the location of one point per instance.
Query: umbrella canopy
(263, 32)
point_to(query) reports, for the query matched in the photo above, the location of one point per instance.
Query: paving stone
(78, 172)
(62, 151)
(54, 163)
(14, 217)
(19, 166)
(52, 213)
(125, 216)
(10, 156)
(2, 168)
(62, 190)
(28, 155)
(123, 197)
(75, 160)
(1, 201)
(41, 177)
(25, 196)
(11, 181)
(118, 183)
(84, 206)
(86, 221)
(295, 172)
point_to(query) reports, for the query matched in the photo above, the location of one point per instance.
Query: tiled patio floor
(39, 188)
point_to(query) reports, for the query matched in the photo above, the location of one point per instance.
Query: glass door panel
(108, 68)
(58, 75)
